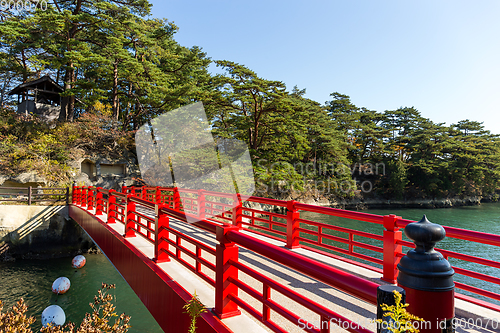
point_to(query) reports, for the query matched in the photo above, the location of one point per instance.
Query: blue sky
(440, 56)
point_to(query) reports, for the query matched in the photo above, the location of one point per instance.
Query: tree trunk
(116, 105)
(68, 102)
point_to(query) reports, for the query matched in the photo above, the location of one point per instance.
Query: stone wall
(43, 232)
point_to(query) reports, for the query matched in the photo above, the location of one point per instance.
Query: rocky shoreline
(40, 232)
(361, 203)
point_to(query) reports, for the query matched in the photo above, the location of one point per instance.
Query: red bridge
(289, 273)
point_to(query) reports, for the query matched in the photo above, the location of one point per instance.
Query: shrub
(400, 319)
(103, 311)
(194, 308)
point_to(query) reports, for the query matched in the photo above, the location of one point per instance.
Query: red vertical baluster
(198, 255)
(266, 311)
(225, 251)
(98, 206)
(320, 235)
(84, 197)
(177, 199)
(158, 196)
(238, 212)
(130, 223)
(201, 204)
(292, 225)
(111, 207)
(351, 240)
(178, 248)
(78, 195)
(91, 197)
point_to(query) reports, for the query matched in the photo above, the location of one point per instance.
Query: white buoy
(53, 314)
(78, 261)
(61, 285)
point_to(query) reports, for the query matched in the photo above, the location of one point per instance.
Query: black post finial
(424, 268)
(425, 235)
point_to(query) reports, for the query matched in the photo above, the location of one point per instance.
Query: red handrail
(356, 286)
(470, 235)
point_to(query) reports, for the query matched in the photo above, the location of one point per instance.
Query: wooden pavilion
(39, 97)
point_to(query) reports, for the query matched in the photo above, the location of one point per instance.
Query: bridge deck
(358, 311)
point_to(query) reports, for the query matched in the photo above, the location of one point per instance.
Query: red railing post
(238, 212)
(98, 205)
(177, 199)
(201, 204)
(76, 195)
(225, 251)
(111, 207)
(158, 200)
(161, 233)
(91, 198)
(124, 188)
(130, 216)
(143, 192)
(392, 235)
(292, 225)
(83, 194)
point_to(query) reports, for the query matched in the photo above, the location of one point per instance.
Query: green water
(32, 280)
(484, 218)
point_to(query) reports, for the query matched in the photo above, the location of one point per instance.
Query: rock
(109, 182)
(83, 179)
(30, 177)
(40, 232)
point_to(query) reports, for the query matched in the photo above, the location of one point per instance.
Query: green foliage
(278, 177)
(398, 178)
(28, 144)
(100, 320)
(402, 320)
(103, 51)
(194, 308)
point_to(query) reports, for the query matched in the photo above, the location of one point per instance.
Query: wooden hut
(39, 97)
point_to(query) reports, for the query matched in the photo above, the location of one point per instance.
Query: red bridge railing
(227, 209)
(225, 266)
